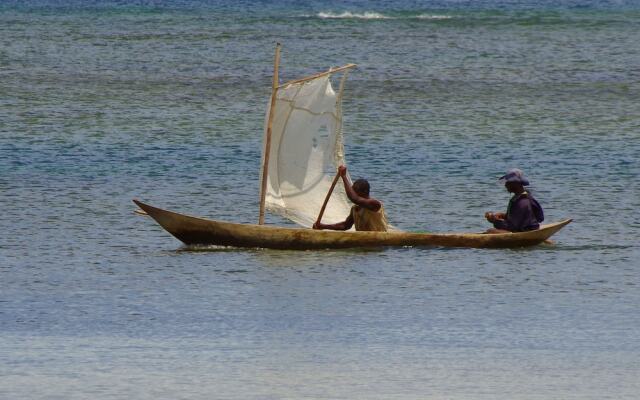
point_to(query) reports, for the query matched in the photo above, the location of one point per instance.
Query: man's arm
(519, 216)
(493, 217)
(497, 219)
(340, 226)
(368, 203)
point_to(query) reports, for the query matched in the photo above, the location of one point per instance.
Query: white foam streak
(435, 17)
(347, 14)
(375, 15)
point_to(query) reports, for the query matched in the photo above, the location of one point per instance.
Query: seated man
(524, 213)
(367, 214)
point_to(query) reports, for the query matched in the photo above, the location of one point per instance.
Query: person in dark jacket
(524, 213)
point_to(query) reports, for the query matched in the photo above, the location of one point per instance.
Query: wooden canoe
(201, 231)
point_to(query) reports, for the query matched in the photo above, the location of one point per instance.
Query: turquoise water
(165, 102)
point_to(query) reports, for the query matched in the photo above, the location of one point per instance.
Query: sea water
(105, 101)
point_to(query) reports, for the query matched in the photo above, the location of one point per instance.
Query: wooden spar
(326, 199)
(267, 140)
(308, 78)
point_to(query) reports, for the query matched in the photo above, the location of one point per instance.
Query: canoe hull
(200, 231)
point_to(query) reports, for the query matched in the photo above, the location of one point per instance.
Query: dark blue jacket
(524, 213)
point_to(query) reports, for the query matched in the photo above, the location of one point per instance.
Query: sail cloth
(306, 149)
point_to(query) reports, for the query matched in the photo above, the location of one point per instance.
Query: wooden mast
(267, 139)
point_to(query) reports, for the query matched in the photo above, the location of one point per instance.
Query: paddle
(326, 199)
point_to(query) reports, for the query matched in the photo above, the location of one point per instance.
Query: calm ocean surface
(102, 102)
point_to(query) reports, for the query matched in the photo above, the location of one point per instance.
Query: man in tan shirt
(367, 214)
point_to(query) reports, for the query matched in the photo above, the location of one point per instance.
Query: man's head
(514, 181)
(361, 187)
(514, 187)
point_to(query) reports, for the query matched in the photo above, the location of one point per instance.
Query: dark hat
(514, 175)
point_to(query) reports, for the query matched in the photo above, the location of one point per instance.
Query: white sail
(306, 149)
